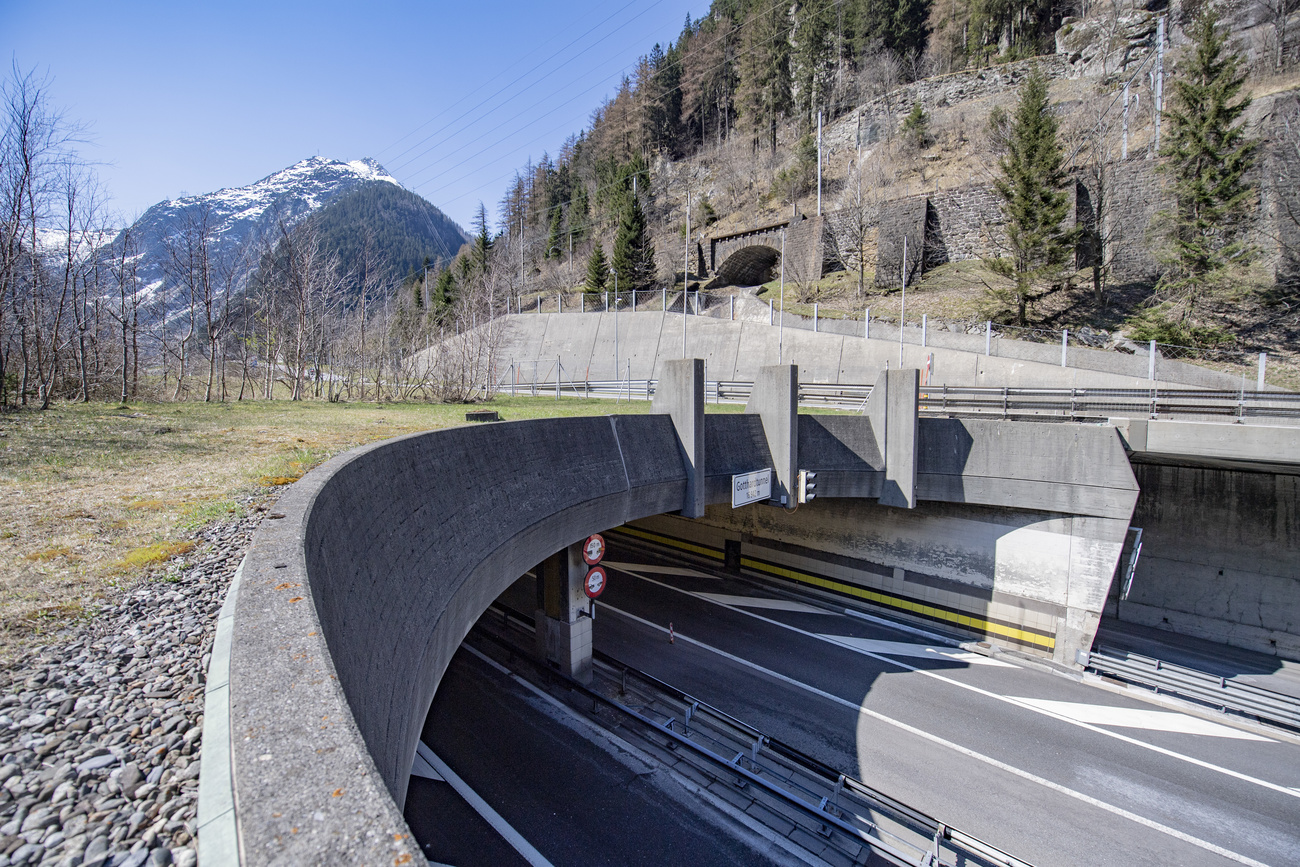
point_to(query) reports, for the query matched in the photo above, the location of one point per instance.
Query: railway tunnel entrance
(748, 266)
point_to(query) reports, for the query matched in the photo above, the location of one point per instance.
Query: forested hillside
(918, 101)
(398, 228)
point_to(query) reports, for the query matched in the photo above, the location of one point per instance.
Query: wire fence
(1087, 348)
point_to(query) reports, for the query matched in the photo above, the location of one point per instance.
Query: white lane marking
(920, 651)
(500, 825)
(1200, 763)
(966, 751)
(1139, 718)
(661, 570)
(760, 602)
(420, 767)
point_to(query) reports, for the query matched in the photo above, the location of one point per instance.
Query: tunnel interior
(749, 266)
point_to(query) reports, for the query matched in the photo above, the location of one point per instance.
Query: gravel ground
(100, 729)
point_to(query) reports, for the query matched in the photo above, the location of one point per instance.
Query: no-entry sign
(595, 582)
(594, 549)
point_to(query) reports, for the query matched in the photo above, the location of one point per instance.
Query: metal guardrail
(1082, 404)
(835, 806)
(1223, 693)
(831, 796)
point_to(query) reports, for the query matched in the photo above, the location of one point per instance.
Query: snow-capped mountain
(241, 216)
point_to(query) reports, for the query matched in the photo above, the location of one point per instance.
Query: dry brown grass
(93, 497)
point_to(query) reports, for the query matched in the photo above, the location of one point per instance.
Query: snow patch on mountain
(243, 219)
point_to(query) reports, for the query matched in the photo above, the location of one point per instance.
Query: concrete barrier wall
(357, 593)
(585, 345)
(1220, 556)
(1016, 539)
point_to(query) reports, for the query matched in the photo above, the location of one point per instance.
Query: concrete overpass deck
(356, 594)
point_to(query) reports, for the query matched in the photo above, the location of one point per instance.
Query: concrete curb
(218, 825)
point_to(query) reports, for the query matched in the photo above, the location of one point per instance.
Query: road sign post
(594, 584)
(752, 487)
(593, 550)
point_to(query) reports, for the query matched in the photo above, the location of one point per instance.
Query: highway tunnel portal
(356, 594)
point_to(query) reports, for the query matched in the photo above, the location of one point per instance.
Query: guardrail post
(1263, 364)
(1065, 340)
(988, 337)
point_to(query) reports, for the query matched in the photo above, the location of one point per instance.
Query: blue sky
(193, 97)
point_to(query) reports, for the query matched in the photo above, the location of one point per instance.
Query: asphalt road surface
(568, 792)
(1052, 770)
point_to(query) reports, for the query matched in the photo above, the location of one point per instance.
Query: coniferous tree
(579, 213)
(482, 240)
(553, 234)
(1208, 156)
(634, 256)
(444, 290)
(597, 271)
(1034, 201)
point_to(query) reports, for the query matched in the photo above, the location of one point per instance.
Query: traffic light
(806, 485)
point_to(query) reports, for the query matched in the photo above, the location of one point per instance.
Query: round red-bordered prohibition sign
(593, 550)
(595, 582)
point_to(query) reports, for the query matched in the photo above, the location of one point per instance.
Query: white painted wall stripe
(966, 751)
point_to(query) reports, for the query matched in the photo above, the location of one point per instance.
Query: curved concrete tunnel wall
(355, 595)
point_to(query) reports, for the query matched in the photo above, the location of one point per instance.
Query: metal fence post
(559, 303)
(582, 303)
(733, 308)
(1263, 364)
(771, 317)
(866, 326)
(559, 372)
(1151, 361)
(924, 325)
(814, 317)
(988, 337)
(663, 298)
(1065, 338)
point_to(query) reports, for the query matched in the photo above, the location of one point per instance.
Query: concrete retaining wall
(1220, 557)
(585, 345)
(1015, 538)
(356, 594)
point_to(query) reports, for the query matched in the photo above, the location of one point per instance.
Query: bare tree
(854, 224)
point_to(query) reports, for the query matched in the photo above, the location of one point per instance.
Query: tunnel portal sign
(594, 585)
(749, 488)
(593, 549)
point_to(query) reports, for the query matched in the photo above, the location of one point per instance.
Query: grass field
(96, 496)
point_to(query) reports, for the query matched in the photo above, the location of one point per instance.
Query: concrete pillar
(680, 394)
(775, 399)
(892, 409)
(563, 621)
